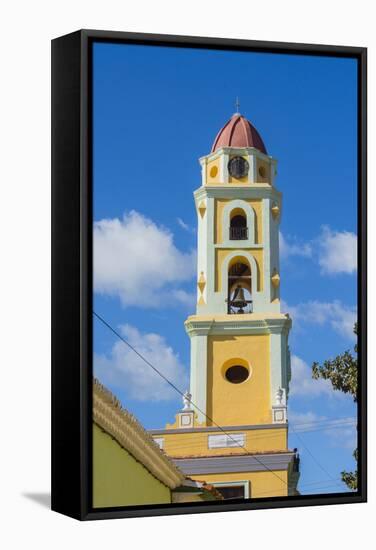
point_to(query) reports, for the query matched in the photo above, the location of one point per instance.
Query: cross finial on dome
(237, 105)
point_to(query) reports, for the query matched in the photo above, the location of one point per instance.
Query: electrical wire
(182, 394)
(237, 444)
(312, 456)
(188, 438)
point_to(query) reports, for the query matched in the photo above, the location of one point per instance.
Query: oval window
(237, 374)
(213, 171)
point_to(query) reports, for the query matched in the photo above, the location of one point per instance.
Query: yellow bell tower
(232, 430)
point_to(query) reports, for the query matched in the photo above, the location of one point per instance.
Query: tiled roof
(120, 424)
(238, 132)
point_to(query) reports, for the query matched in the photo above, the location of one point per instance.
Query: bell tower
(240, 359)
(238, 326)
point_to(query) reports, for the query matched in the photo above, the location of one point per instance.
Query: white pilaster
(223, 168)
(279, 375)
(198, 382)
(266, 215)
(251, 172)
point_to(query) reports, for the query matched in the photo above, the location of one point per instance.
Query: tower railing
(238, 233)
(234, 309)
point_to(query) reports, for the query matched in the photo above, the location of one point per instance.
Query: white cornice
(238, 324)
(246, 245)
(200, 329)
(231, 191)
(235, 463)
(128, 432)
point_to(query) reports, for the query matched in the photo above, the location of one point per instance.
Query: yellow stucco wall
(213, 172)
(196, 443)
(218, 218)
(118, 479)
(246, 403)
(262, 484)
(220, 257)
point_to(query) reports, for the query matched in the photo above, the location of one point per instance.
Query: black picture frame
(72, 272)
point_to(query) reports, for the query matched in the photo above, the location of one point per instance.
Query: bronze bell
(239, 300)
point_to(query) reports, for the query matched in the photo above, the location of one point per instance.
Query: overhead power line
(182, 394)
(237, 444)
(314, 458)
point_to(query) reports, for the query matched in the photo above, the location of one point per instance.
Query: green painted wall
(118, 479)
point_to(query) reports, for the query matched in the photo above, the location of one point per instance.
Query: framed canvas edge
(77, 502)
(66, 395)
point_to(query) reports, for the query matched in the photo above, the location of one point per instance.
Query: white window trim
(242, 483)
(252, 264)
(251, 222)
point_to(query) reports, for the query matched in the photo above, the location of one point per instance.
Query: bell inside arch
(239, 288)
(240, 301)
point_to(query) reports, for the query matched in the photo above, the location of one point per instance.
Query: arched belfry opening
(239, 298)
(238, 225)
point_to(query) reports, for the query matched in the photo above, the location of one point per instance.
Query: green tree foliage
(342, 371)
(351, 478)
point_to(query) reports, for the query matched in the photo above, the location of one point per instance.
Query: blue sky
(156, 111)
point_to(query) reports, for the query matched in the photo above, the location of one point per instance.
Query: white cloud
(291, 247)
(302, 383)
(338, 315)
(185, 226)
(338, 251)
(334, 251)
(123, 369)
(186, 298)
(138, 261)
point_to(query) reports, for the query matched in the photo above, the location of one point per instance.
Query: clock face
(238, 167)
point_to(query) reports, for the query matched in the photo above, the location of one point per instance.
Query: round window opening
(237, 374)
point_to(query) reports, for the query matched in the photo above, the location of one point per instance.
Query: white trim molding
(233, 192)
(238, 324)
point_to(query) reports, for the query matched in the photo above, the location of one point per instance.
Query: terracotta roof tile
(238, 132)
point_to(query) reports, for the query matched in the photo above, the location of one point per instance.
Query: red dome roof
(238, 132)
